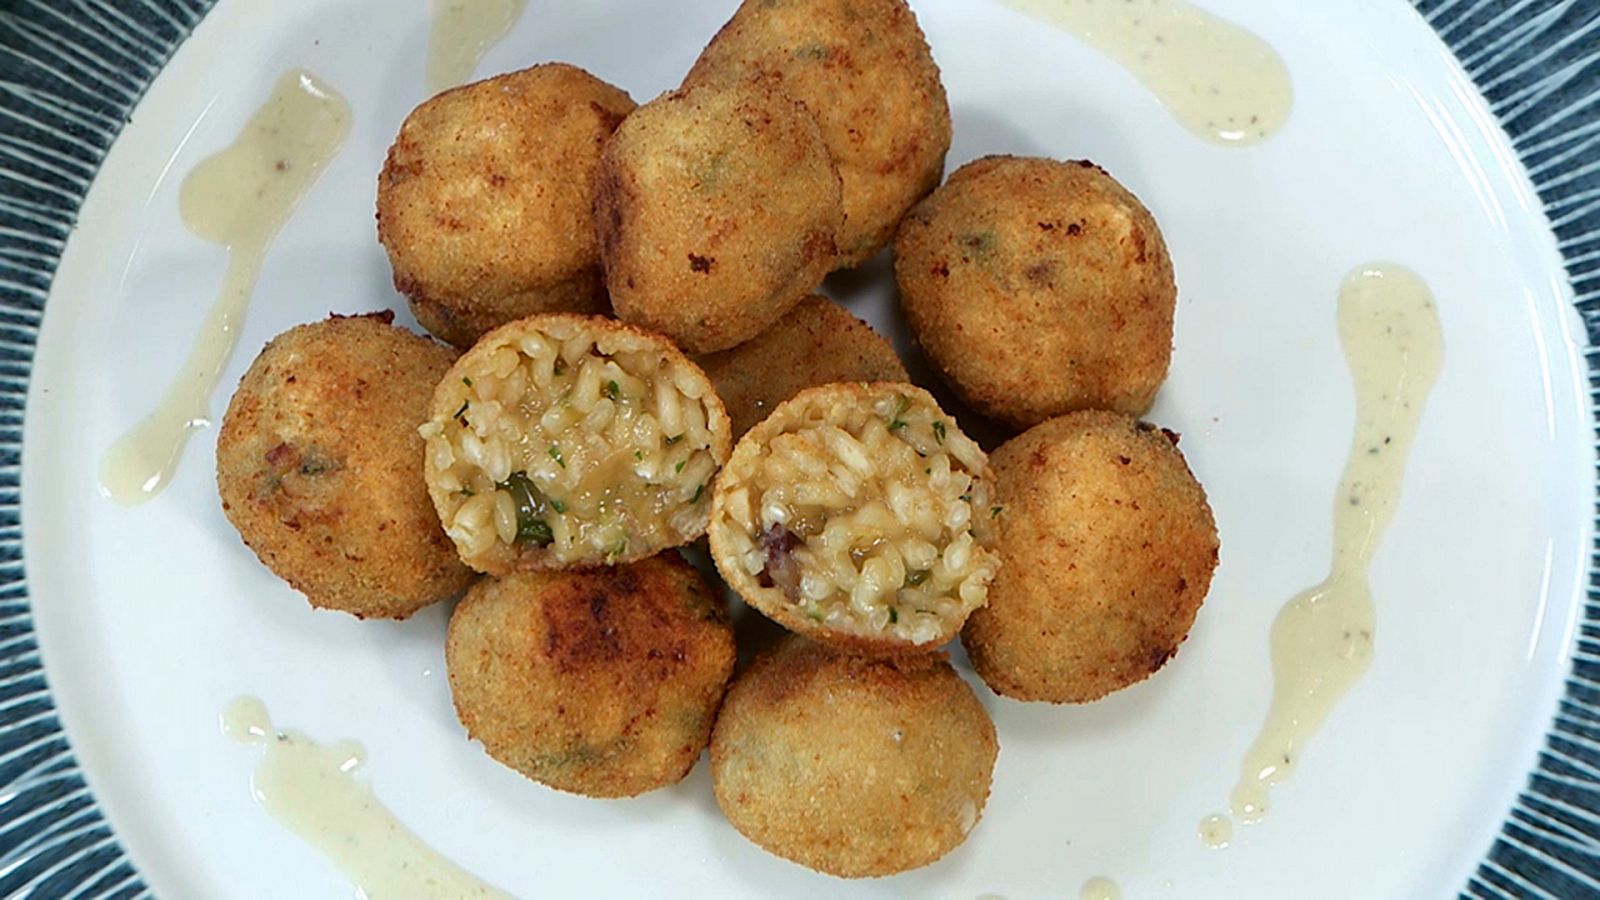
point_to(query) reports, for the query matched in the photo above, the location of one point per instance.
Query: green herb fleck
(458, 416)
(981, 243)
(555, 454)
(697, 494)
(466, 492)
(316, 464)
(613, 390)
(467, 381)
(617, 549)
(561, 366)
(811, 51)
(916, 577)
(674, 439)
(638, 455)
(531, 525)
(901, 405)
(814, 614)
(938, 431)
(680, 465)
(894, 615)
(995, 511)
(557, 505)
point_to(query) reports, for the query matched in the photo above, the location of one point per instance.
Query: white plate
(157, 616)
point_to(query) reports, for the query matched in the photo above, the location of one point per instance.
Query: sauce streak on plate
(463, 31)
(1100, 889)
(1217, 79)
(312, 790)
(1322, 639)
(238, 198)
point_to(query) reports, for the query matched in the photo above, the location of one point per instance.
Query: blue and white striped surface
(71, 72)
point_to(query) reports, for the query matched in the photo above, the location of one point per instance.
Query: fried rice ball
(1108, 545)
(602, 682)
(320, 467)
(864, 69)
(857, 515)
(716, 210)
(484, 201)
(818, 342)
(1038, 288)
(852, 766)
(562, 440)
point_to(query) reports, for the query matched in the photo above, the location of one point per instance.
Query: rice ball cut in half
(852, 766)
(562, 440)
(858, 515)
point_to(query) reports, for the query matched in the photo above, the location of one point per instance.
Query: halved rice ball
(563, 440)
(858, 515)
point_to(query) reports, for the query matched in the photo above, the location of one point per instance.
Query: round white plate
(151, 619)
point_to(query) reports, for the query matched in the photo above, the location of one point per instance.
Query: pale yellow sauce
(312, 790)
(239, 198)
(463, 31)
(1216, 832)
(1322, 639)
(1217, 79)
(1098, 888)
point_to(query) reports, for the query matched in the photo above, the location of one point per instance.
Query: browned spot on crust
(385, 316)
(281, 456)
(699, 263)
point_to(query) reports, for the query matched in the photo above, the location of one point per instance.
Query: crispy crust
(319, 467)
(602, 682)
(854, 767)
(1039, 287)
(716, 211)
(449, 394)
(772, 601)
(863, 67)
(483, 202)
(1108, 546)
(818, 342)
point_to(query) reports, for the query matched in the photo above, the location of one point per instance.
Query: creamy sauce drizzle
(312, 790)
(1322, 639)
(239, 198)
(463, 31)
(1098, 888)
(1216, 832)
(1218, 80)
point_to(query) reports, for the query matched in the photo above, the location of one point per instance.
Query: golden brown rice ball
(858, 515)
(1039, 287)
(320, 467)
(850, 766)
(602, 682)
(483, 203)
(716, 210)
(818, 342)
(1108, 545)
(864, 69)
(561, 441)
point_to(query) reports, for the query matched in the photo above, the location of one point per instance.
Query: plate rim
(70, 76)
